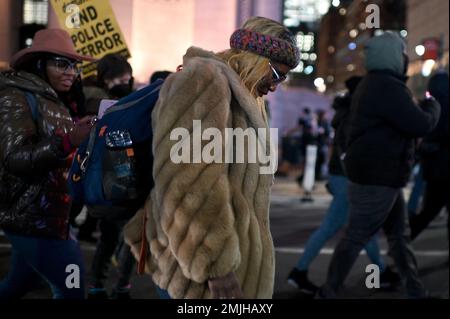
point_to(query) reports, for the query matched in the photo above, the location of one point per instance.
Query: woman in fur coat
(206, 232)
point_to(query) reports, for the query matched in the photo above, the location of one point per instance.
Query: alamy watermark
(234, 145)
(73, 279)
(73, 20)
(373, 277)
(373, 19)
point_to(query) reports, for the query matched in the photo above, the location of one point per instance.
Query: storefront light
(420, 50)
(427, 67)
(335, 3)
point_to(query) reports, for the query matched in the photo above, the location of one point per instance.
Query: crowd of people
(203, 231)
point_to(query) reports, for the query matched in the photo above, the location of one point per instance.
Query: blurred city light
(352, 46)
(322, 7)
(296, 11)
(353, 33)
(299, 68)
(342, 11)
(336, 3)
(309, 69)
(420, 50)
(319, 82)
(427, 67)
(305, 42)
(322, 88)
(404, 33)
(35, 12)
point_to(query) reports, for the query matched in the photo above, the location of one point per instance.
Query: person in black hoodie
(434, 160)
(336, 216)
(384, 120)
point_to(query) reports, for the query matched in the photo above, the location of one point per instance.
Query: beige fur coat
(205, 220)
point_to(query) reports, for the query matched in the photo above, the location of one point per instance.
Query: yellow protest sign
(93, 28)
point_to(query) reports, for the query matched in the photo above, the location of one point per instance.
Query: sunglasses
(63, 65)
(276, 77)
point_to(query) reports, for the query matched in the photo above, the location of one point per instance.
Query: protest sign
(93, 28)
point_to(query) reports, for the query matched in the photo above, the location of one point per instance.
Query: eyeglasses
(63, 65)
(276, 77)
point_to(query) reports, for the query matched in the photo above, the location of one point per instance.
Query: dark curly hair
(111, 66)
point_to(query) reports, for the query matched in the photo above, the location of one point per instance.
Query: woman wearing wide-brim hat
(40, 126)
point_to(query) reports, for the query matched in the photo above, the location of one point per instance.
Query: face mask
(120, 90)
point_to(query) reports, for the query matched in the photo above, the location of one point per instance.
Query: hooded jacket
(33, 164)
(206, 220)
(384, 119)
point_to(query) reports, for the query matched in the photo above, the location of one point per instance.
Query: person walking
(434, 155)
(207, 224)
(384, 120)
(37, 135)
(336, 216)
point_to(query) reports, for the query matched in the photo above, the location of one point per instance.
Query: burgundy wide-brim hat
(56, 41)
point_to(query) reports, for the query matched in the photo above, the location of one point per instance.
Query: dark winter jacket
(384, 119)
(434, 147)
(94, 95)
(341, 105)
(33, 163)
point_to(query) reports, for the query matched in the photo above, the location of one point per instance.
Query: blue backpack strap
(33, 103)
(89, 149)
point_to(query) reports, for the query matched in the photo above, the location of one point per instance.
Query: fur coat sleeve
(193, 200)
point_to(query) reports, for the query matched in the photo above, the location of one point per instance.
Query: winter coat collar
(400, 77)
(29, 82)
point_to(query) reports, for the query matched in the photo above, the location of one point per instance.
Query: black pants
(111, 240)
(372, 208)
(436, 197)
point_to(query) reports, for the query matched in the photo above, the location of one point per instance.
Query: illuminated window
(296, 11)
(35, 11)
(305, 42)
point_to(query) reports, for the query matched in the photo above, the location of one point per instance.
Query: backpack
(113, 167)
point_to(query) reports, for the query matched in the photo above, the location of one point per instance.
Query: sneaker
(97, 294)
(389, 279)
(307, 199)
(299, 279)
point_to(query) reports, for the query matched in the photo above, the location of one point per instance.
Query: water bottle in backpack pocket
(119, 167)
